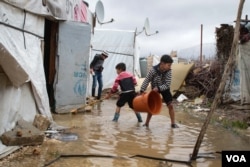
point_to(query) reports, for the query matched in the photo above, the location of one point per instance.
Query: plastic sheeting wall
(21, 56)
(237, 87)
(19, 102)
(23, 65)
(74, 10)
(22, 81)
(244, 64)
(122, 46)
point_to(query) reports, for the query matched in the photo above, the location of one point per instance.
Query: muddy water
(99, 136)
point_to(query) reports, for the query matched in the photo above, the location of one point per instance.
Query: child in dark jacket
(126, 81)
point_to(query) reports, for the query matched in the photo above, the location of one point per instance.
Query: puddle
(64, 136)
(94, 140)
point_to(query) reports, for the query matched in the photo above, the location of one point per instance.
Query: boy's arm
(93, 62)
(134, 80)
(114, 88)
(147, 80)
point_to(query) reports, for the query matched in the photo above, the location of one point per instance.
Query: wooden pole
(230, 64)
(201, 45)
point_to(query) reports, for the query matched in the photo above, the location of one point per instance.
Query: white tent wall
(232, 86)
(23, 20)
(19, 102)
(244, 64)
(22, 79)
(22, 52)
(122, 46)
(237, 88)
(75, 10)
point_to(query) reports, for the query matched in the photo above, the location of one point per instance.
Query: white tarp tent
(122, 46)
(61, 10)
(237, 88)
(23, 91)
(22, 80)
(244, 64)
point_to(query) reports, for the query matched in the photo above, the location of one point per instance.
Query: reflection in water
(63, 136)
(98, 135)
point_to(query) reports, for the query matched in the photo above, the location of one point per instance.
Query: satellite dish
(99, 11)
(147, 26)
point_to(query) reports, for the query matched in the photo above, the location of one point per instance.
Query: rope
(110, 156)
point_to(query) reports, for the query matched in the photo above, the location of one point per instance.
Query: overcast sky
(178, 22)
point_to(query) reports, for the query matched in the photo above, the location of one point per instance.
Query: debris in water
(64, 136)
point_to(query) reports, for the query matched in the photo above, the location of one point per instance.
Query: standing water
(103, 143)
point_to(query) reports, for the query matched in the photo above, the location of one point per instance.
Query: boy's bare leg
(171, 113)
(148, 119)
(172, 116)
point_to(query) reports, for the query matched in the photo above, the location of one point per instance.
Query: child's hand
(91, 71)
(156, 89)
(140, 93)
(107, 96)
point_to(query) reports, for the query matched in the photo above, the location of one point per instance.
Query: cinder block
(41, 122)
(23, 134)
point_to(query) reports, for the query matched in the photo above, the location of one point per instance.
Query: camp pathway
(101, 142)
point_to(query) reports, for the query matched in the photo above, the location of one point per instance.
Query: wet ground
(97, 141)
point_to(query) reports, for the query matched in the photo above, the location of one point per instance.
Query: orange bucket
(150, 102)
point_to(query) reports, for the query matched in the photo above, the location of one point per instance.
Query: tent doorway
(50, 49)
(66, 57)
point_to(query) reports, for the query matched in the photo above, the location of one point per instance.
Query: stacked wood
(203, 80)
(224, 39)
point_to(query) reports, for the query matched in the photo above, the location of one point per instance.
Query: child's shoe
(116, 117)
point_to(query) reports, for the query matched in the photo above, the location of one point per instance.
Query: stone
(41, 122)
(23, 134)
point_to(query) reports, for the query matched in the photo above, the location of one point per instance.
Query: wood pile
(224, 39)
(203, 80)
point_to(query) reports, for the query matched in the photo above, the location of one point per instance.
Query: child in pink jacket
(126, 81)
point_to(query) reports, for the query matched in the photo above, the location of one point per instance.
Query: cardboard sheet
(179, 74)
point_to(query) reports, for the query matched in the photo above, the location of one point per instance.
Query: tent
(237, 88)
(122, 46)
(22, 79)
(23, 91)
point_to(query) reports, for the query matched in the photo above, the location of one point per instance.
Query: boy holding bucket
(127, 83)
(160, 77)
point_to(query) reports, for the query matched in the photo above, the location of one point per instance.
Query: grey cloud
(178, 22)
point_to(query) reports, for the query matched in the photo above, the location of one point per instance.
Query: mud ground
(234, 117)
(224, 115)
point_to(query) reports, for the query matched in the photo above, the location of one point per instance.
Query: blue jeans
(97, 78)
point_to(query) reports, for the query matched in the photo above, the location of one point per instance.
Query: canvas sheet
(244, 64)
(15, 103)
(179, 74)
(74, 10)
(22, 80)
(122, 47)
(21, 60)
(20, 19)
